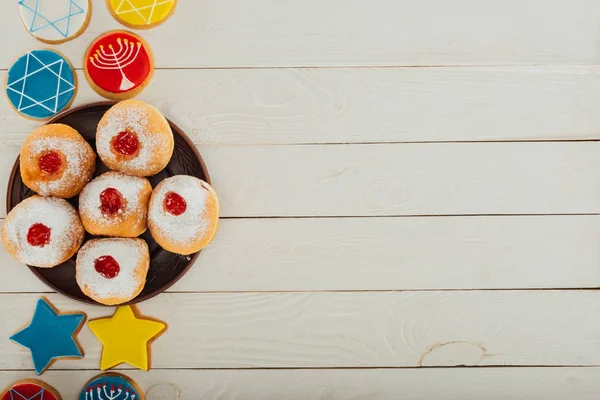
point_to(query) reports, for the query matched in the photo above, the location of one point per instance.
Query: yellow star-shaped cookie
(126, 338)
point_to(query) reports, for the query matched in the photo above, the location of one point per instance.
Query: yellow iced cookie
(126, 338)
(141, 14)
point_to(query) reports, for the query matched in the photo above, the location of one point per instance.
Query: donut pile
(134, 140)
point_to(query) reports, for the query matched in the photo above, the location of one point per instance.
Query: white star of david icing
(148, 10)
(14, 395)
(19, 85)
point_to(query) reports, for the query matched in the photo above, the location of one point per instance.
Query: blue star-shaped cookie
(50, 336)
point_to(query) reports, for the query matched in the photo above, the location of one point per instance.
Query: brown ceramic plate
(165, 268)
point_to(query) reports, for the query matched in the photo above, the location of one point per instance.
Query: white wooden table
(404, 184)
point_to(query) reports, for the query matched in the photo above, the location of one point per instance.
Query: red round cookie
(118, 64)
(30, 389)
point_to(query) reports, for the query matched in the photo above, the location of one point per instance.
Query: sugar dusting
(75, 155)
(130, 188)
(189, 225)
(132, 118)
(56, 214)
(127, 252)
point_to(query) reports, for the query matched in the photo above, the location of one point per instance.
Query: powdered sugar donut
(183, 214)
(112, 271)
(42, 231)
(56, 161)
(115, 204)
(135, 138)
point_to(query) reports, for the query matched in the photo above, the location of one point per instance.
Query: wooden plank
(400, 179)
(385, 254)
(359, 329)
(322, 105)
(378, 384)
(238, 33)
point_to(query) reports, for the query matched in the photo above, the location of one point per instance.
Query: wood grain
(276, 33)
(379, 384)
(342, 105)
(384, 254)
(364, 329)
(400, 179)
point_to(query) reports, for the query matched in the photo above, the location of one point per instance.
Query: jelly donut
(183, 214)
(56, 161)
(115, 204)
(112, 271)
(135, 138)
(42, 231)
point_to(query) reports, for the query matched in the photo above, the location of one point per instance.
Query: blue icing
(40, 84)
(49, 336)
(109, 387)
(39, 21)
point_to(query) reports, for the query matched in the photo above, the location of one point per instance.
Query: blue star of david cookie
(40, 84)
(50, 336)
(111, 386)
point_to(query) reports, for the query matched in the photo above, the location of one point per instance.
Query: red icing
(107, 266)
(125, 143)
(111, 201)
(50, 162)
(38, 235)
(174, 204)
(28, 390)
(121, 62)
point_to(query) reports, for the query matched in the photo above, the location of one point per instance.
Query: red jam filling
(107, 266)
(50, 162)
(38, 235)
(111, 201)
(125, 143)
(174, 204)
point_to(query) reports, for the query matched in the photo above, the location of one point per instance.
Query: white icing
(75, 155)
(193, 222)
(133, 118)
(127, 252)
(130, 188)
(54, 20)
(56, 214)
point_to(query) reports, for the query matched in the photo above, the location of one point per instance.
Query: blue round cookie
(40, 84)
(111, 386)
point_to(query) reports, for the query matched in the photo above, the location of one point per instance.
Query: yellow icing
(142, 12)
(125, 338)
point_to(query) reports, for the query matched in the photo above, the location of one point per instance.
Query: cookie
(126, 338)
(111, 386)
(30, 389)
(55, 21)
(50, 336)
(40, 84)
(141, 14)
(118, 65)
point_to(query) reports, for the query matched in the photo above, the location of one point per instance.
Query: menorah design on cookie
(102, 391)
(111, 386)
(118, 59)
(118, 64)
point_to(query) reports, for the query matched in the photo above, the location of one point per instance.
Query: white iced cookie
(55, 21)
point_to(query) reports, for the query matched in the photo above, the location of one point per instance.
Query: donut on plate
(183, 214)
(134, 138)
(112, 271)
(56, 161)
(115, 204)
(42, 231)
